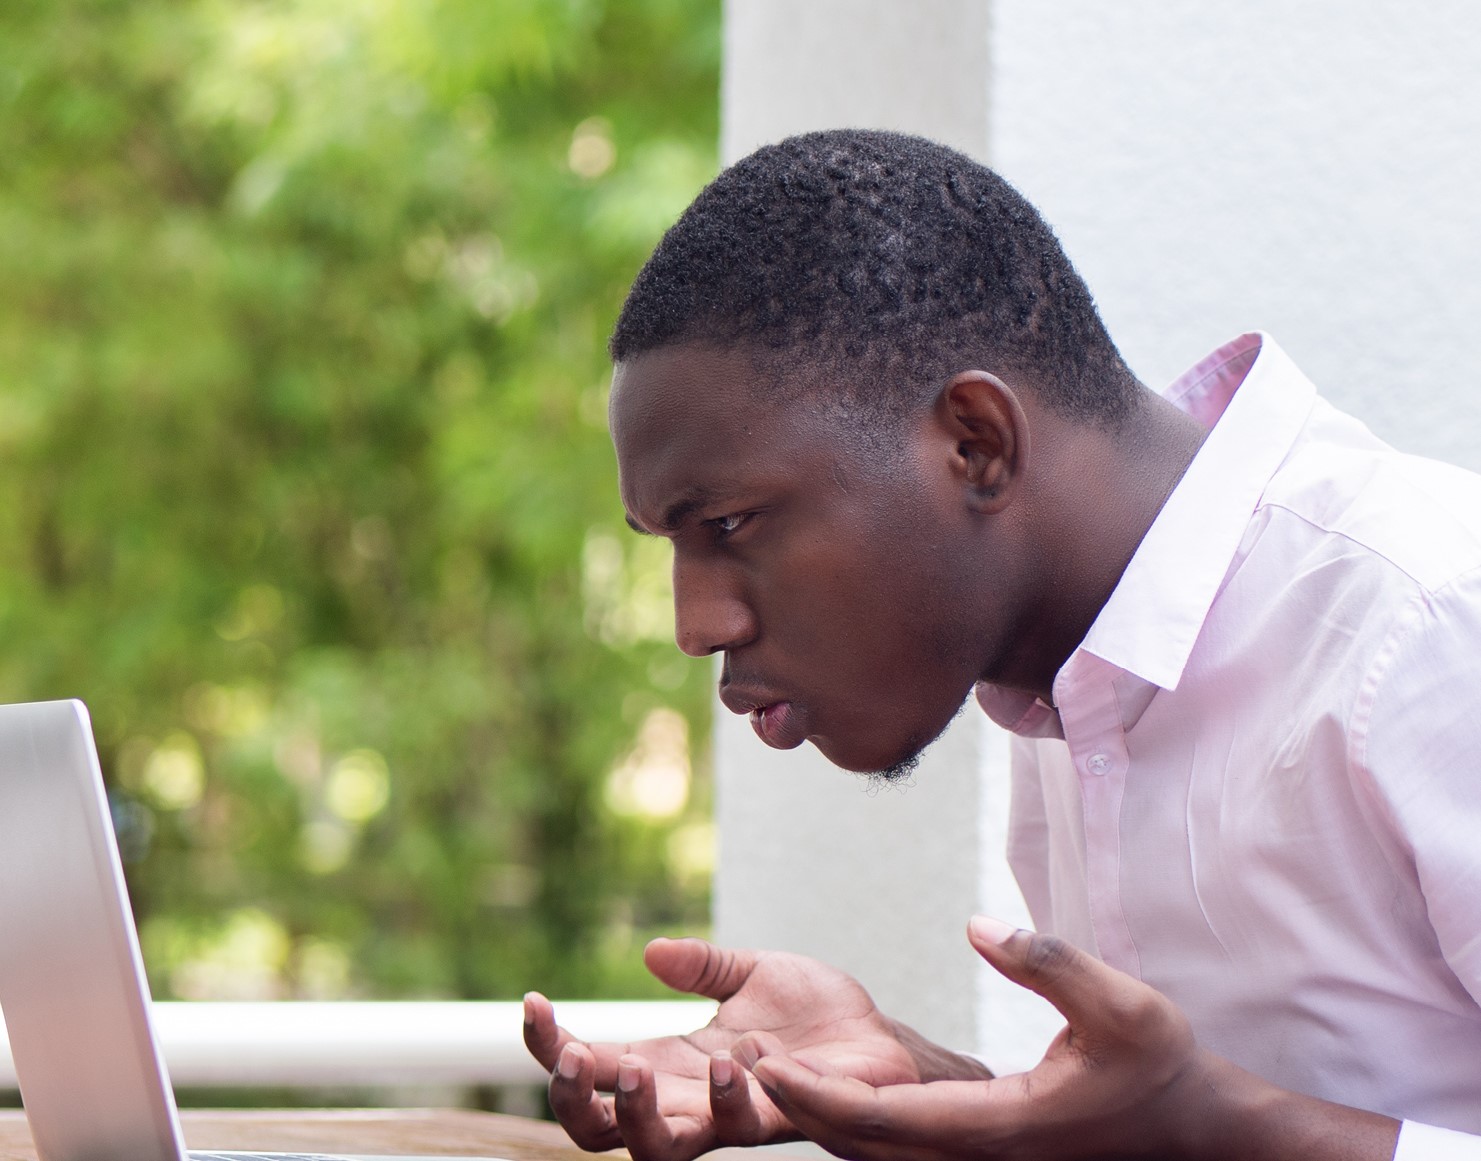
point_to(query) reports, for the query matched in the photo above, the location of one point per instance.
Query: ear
(986, 419)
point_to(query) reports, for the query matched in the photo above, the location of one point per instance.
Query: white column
(881, 884)
(795, 65)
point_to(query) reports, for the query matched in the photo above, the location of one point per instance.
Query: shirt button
(1098, 764)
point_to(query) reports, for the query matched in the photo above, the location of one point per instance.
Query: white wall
(1310, 169)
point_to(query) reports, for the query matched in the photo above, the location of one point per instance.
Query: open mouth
(779, 725)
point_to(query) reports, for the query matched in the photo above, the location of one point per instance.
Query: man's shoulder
(1362, 501)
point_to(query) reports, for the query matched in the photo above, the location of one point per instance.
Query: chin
(887, 765)
(890, 760)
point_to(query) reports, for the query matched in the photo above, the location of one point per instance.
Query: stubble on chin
(900, 774)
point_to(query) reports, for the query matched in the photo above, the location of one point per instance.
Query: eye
(728, 525)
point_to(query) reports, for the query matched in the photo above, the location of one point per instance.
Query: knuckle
(1151, 1018)
(727, 1096)
(578, 1126)
(1174, 1031)
(713, 970)
(1140, 1009)
(590, 1137)
(593, 1142)
(638, 1139)
(874, 1125)
(647, 1137)
(1048, 957)
(543, 1045)
(643, 1150)
(734, 1116)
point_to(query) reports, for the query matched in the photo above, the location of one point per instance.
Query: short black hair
(852, 251)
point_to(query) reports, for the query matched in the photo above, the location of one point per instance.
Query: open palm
(676, 1097)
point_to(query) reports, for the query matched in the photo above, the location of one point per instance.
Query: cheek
(871, 591)
(863, 613)
(821, 586)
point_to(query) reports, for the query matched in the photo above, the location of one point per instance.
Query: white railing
(310, 1045)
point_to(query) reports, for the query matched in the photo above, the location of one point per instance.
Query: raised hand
(1125, 1078)
(677, 1097)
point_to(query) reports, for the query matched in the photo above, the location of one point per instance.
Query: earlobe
(991, 432)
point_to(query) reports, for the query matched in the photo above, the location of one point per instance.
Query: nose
(711, 613)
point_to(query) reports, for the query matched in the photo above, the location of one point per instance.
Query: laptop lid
(72, 983)
(72, 986)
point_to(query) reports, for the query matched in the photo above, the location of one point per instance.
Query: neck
(1101, 492)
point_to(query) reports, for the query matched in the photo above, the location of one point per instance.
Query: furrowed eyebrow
(678, 512)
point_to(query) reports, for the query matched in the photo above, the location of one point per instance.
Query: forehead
(694, 426)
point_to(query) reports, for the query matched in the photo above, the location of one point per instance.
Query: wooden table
(453, 1132)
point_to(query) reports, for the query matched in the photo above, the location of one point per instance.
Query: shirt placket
(1096, 738)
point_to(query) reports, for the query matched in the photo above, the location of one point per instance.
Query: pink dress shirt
(1260, 790)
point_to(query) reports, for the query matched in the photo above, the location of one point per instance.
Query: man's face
(840, 583)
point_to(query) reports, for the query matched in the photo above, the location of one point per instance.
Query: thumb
(695, 965)
(1088, 993)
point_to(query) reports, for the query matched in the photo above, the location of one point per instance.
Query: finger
(754, 1045)
(647, 1133)
(546, 1040)
(584, 1113)
(695, 965)
(1094, 997)
(737, 1119)
(543, 1037)
(837, 1113)
(851, 1118)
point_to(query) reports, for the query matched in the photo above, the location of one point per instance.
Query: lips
(777, 722)
(779, 725)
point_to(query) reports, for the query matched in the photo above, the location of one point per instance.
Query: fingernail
(767, 1083)
(568, 1064)
(990, 930)
(722, 1068)
(529, 1007)
(627, 1075)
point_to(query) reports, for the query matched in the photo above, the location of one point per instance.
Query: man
(864, 394)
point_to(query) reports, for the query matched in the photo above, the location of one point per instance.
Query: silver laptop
(72, 984)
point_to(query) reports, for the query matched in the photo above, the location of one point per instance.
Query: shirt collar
(1255, 401)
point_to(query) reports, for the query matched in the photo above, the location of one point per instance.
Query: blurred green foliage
(306, 488)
